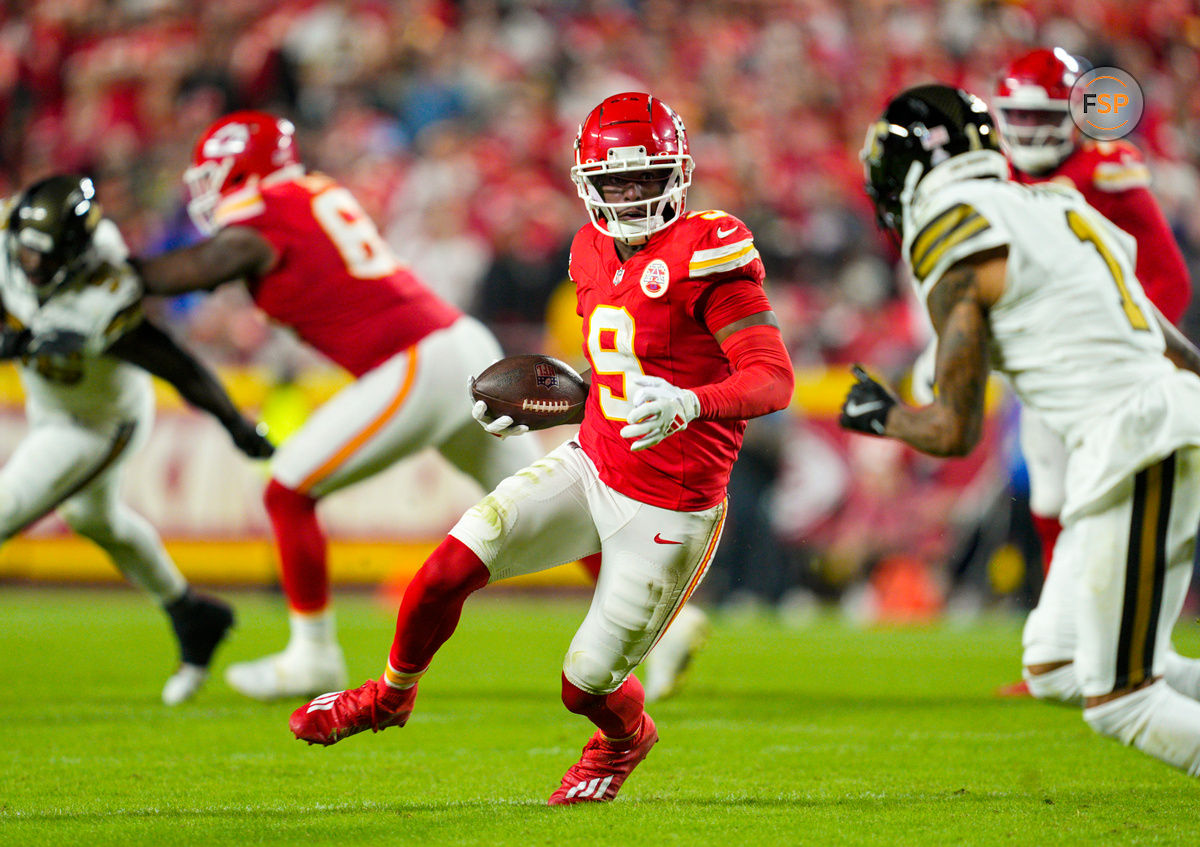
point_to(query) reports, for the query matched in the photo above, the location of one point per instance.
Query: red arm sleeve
(1160, 265)
(762, 380)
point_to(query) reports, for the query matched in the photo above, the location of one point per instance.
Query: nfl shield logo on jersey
(655, 279)
(545, 375)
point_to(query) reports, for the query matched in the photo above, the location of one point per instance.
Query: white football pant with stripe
(556, 511)
(418, 398)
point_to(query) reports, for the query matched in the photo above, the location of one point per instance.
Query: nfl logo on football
(545, 376)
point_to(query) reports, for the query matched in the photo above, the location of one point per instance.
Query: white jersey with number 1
(1073, 332)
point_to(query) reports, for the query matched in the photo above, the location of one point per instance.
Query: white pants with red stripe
(418, 398)
(557, 510)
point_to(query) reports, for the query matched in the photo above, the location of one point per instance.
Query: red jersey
(647, 315)
(1114, 179)
(335, 282)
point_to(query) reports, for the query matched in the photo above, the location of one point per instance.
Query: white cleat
(296, 672)
(665, 666)
(184, 684)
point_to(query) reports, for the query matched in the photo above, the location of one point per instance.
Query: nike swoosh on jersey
(721, 233)
(854, 409)
(658, 539)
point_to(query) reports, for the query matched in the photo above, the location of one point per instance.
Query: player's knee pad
(1060, 685)
(592, 673)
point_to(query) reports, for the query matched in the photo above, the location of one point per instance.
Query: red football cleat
(1020, 688)
(600, 771)
(374, 705)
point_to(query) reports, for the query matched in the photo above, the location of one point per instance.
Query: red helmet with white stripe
(1032, 103)
(237, 150)
(633, 133)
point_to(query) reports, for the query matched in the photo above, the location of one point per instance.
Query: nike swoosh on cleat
(721, 233)
(853, 409)
(658, 539)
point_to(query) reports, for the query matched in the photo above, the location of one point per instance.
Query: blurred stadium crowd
(452, 123)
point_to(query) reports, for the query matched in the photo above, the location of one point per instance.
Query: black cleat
(201, 624)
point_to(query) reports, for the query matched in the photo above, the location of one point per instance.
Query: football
(537, 391)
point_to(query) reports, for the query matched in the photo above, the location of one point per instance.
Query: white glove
(659, 409)
(501, 427)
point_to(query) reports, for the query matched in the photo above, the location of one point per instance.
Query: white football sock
(1157, 720)
(1182, 674)
(1060, 684)
(312, 629)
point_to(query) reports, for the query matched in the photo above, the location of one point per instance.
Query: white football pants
(557, 510)
(418, 398)
(1046, 459)
(1118, 580)
(63, 465)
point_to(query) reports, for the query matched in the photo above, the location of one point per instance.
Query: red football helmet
(629, 133)
(239, 148)
(1032, 108)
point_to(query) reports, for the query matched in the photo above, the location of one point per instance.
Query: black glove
(251, 439)
(57, 342)
(13, 342)
(867, 405)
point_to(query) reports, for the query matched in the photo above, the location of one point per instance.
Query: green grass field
(824, 735)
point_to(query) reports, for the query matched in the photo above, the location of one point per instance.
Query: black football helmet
(51, 230)
(921, 128)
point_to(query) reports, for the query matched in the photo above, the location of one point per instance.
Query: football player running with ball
(1034, 281)
(73, 320)
(683, 347)
(313, 261)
